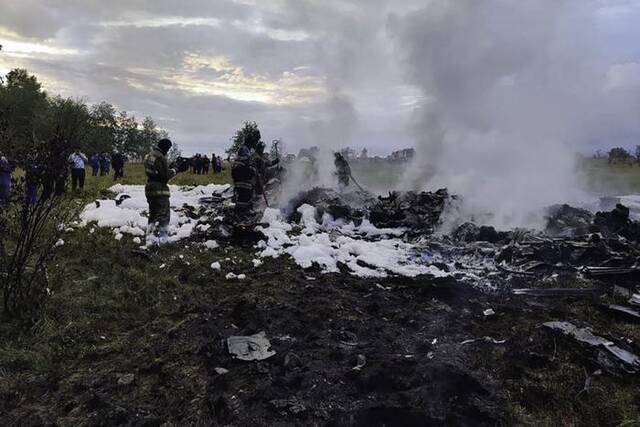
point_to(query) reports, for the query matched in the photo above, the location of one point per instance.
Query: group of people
(101, 164)
(250, 171)
(50, 175)
(201, 164)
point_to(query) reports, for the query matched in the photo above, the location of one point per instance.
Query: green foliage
(23, 111)
(248, 133)
(28, 236)
(28, 115)
(619, 154)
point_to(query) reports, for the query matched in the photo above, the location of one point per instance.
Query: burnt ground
(126, 342)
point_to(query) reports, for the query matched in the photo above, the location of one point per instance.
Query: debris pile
(371, 236)
(608, 354)
(418, 212)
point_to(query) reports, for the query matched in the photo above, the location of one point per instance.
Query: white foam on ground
(367, 251)
(130, 217)
(332, 242)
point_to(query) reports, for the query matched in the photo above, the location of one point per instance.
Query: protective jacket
(158, 173)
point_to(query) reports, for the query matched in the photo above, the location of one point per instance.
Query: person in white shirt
(77, 160)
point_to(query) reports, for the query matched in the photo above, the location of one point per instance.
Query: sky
(311, 72)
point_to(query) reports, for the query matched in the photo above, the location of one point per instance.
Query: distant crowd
(201, 164)
(44, 179)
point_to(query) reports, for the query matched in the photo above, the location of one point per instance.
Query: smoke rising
(510, 87)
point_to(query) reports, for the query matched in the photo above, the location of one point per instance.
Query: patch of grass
(599, 176)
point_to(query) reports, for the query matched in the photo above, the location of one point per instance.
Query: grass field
(134, 175)
(598, 176)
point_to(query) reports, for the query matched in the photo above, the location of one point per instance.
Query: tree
(23, 109)
(149, 136)
(103, 123)
(174, 153)
(249, 132)
(68, 119)
(277, 149)
(618, 154)
(29, 116)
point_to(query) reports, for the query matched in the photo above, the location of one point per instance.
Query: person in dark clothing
(5, 181)
(54, 167)
(262, 165)
(244, 176)
(94, 161)
(214, 163)
(117, 161)
(205, 165)
(33, 177)
(105, 163)
(157, 189)
(343, 170)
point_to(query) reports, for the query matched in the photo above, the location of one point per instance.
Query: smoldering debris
(610, 355)
(417, 212)
(400, 234)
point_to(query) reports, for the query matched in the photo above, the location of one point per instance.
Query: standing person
(343, 171)
(105, 162)
(244, 175)
(5, 181)
(117, 161)
(77, 160)
(261, 162)
(199, 164)
(33, 177)
(157, 189)
(219, 164)
(94, 161)
(205, 165)
(214, 165)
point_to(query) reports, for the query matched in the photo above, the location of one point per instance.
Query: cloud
(323, 73)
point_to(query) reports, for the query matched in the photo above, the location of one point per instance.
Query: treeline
(30, 116)
(619, 155)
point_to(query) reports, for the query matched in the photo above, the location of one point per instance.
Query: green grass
(134, 175)
(599, 176)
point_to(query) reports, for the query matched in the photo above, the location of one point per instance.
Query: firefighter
(244, 176)
(262, 164)
(343, 170)
(157, 189)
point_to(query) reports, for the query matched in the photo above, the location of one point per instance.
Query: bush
(30, 227)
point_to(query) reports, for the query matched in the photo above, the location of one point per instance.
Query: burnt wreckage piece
(418, 213)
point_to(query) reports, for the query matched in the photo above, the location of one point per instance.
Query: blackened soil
(413, 335)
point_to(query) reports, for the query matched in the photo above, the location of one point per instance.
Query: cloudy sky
(313, 72)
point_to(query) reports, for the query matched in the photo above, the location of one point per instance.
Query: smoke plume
(510, 88)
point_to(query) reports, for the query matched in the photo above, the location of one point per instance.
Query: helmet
(164, 145)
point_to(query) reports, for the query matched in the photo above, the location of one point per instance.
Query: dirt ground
(140, 340)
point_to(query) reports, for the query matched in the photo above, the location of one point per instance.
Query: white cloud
(621, 76)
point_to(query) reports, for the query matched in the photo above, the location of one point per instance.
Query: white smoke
(510, 88)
